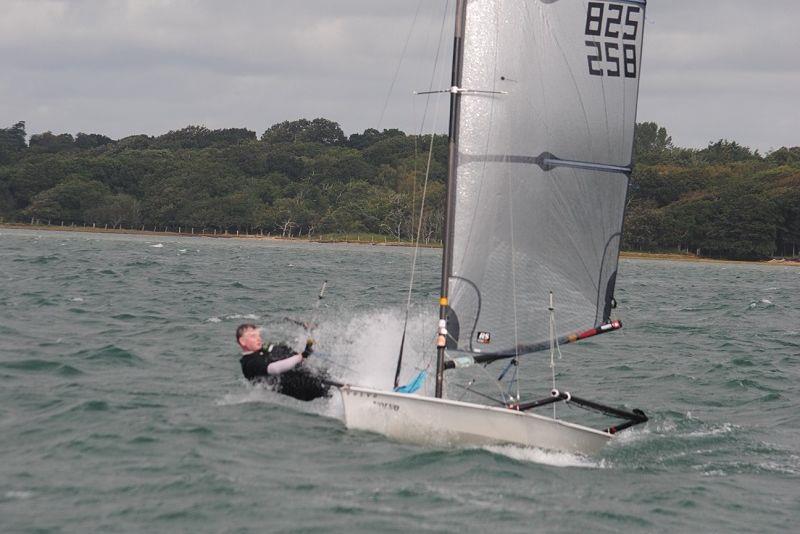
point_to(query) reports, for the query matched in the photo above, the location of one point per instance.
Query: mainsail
(546, 109)
(542, 109)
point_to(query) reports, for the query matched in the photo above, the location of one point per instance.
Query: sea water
(123, 410)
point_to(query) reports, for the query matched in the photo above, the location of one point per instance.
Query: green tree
(70, 200)
(51, 143)
(650, 142)
(87, 141)
(12, 142)
(320, 131)
(724, 151)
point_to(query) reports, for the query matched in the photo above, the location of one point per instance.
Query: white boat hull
(442, 422)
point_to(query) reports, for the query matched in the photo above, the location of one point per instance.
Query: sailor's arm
(286, 364)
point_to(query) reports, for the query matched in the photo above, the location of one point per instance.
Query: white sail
(545, 130)
(542, 119)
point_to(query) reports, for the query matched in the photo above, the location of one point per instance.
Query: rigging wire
(424, 192)
(399, 64)
(555, 347)
(513, 286)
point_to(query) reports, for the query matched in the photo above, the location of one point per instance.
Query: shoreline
(354, 239)
(661, 256)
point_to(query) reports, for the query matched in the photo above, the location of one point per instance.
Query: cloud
(711, 69)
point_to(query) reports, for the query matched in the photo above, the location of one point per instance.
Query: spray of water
(362, 348)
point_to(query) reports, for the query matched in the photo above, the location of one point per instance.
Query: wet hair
(244, 328)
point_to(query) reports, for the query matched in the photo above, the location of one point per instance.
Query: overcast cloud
(712, 69)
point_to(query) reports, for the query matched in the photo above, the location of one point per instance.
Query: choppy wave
(121, 408)
(540, 456)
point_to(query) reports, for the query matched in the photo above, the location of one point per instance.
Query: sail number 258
(612, 30)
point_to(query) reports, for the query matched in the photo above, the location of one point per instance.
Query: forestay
(545, 129)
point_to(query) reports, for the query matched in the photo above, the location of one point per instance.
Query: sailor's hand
(308, 350)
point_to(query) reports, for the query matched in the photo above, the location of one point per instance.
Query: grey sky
(712, 69)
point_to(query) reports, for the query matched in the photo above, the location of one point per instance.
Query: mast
(447, 251)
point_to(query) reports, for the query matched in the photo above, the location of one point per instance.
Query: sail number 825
(613, 29)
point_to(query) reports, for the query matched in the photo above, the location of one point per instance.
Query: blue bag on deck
(414, 385)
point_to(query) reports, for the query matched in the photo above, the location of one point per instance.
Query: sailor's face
(251, 340)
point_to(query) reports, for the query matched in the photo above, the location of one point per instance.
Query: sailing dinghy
(542, 113)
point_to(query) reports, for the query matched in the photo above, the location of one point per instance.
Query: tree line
(306, 177)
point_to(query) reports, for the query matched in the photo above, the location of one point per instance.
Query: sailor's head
(248, 336)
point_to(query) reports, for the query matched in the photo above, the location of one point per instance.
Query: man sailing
(278, 365)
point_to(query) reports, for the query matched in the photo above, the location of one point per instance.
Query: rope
(555, 347)
(399, 64)
(424, 194)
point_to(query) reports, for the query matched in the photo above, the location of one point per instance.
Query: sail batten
(542, 171)
(546, 160)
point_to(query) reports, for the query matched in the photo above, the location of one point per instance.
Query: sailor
(279, 366)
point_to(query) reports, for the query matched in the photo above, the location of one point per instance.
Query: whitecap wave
(248, 395)
(18, 494)
(158, 245)
(214, 320)
(325, 406)
(541, 456)
(251, 316)
(725, 428)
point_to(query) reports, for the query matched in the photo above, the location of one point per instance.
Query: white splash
(725, 428)
(158, 245)
(541, 456)
(76, 299)
(363, 349)
(250, 394)
(214, 320)
(251, 316)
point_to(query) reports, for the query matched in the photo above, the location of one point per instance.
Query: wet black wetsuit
(301, 383)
